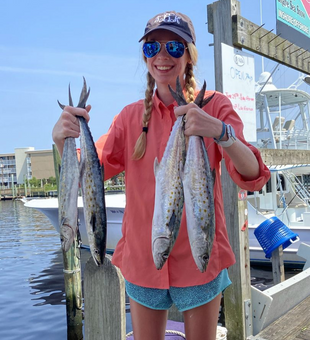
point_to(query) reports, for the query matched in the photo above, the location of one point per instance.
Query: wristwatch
(230, 132)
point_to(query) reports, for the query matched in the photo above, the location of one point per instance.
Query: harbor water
(32, 297)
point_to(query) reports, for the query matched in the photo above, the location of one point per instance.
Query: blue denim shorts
(184, 298)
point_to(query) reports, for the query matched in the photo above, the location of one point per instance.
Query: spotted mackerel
(68, 192)
(168, 195)
(198, 182)
(91, 178)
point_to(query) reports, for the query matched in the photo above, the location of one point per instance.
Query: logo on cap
(167, 17)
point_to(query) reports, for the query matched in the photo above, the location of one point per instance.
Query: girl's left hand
(198, 122)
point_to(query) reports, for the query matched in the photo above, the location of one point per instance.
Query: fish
(169, 198)
(198, 183)
(91, 178)
(68, 192)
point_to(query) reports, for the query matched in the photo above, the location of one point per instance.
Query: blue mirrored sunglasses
(174, 48)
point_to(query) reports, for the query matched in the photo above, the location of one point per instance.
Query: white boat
(283, 122)
(115, 205)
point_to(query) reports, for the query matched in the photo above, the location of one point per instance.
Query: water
(32, 298)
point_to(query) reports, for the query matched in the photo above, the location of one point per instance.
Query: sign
(239, 86)
(293, 21)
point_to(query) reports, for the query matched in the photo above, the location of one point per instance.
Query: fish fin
(156, 165)
(93, 222)
(84, 95)
(61, 105)
(213, 176)
(181, 171)
(206, 100)
(172, 222)
(70, 97)
(199, 99)
(82, 167)
(102, 173)
(178, 94)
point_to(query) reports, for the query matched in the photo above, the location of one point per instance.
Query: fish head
(202, 255)
(161, 251)
(98, 250)
(97, 256)
(66, 234)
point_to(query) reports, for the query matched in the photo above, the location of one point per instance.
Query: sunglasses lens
(151, 48)
(175, 48)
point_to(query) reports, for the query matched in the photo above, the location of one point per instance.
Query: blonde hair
(190, 86)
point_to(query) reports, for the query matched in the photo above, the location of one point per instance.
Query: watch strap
(231, 137)
(222, 133)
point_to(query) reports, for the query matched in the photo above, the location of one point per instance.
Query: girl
(138, 135)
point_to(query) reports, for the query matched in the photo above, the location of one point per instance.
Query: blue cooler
(273, 233)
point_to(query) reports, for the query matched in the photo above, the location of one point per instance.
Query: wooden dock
(294, 325)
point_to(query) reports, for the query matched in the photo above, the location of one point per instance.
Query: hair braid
(140, 146)
(190, 83)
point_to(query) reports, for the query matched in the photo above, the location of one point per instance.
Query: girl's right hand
(68, 125)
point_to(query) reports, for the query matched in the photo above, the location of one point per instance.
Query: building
(24, 164)
(41, 163)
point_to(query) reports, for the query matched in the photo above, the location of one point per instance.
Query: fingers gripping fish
(198, 181)
(91, 177)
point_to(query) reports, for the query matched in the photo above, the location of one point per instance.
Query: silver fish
(168, 195)
(92, 183)
(198, 182)
(68, 192)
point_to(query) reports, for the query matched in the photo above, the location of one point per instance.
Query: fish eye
(165, 256)
(205, 257)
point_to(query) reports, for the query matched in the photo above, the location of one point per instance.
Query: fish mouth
(98, 257)
(97, 262)
(160, 260)
(160, 256)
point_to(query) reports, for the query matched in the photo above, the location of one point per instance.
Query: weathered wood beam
(257, 39)
(104, 301)
(284, 157)
(235, 297)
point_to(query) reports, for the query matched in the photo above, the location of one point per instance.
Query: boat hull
(115, 206)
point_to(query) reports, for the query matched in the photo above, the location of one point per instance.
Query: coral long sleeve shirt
(133, 253)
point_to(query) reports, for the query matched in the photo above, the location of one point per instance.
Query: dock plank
(294, 325)
(304, 334)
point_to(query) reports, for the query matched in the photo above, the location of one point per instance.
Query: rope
(167, 332)
(221, 333)
(71, 271)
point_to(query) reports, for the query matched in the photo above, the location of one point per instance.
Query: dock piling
(104, 301)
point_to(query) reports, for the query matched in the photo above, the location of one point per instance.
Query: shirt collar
(160, 107)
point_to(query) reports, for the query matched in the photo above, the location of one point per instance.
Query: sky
(45, 45)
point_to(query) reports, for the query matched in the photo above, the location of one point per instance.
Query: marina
(263, 303)
(32, 283)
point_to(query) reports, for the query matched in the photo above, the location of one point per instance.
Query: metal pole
(1, 166)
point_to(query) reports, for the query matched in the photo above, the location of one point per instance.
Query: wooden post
(73, 289)
(104, 301)
(57, 165)
(277, 265)
(72, 276)
(237, 298)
